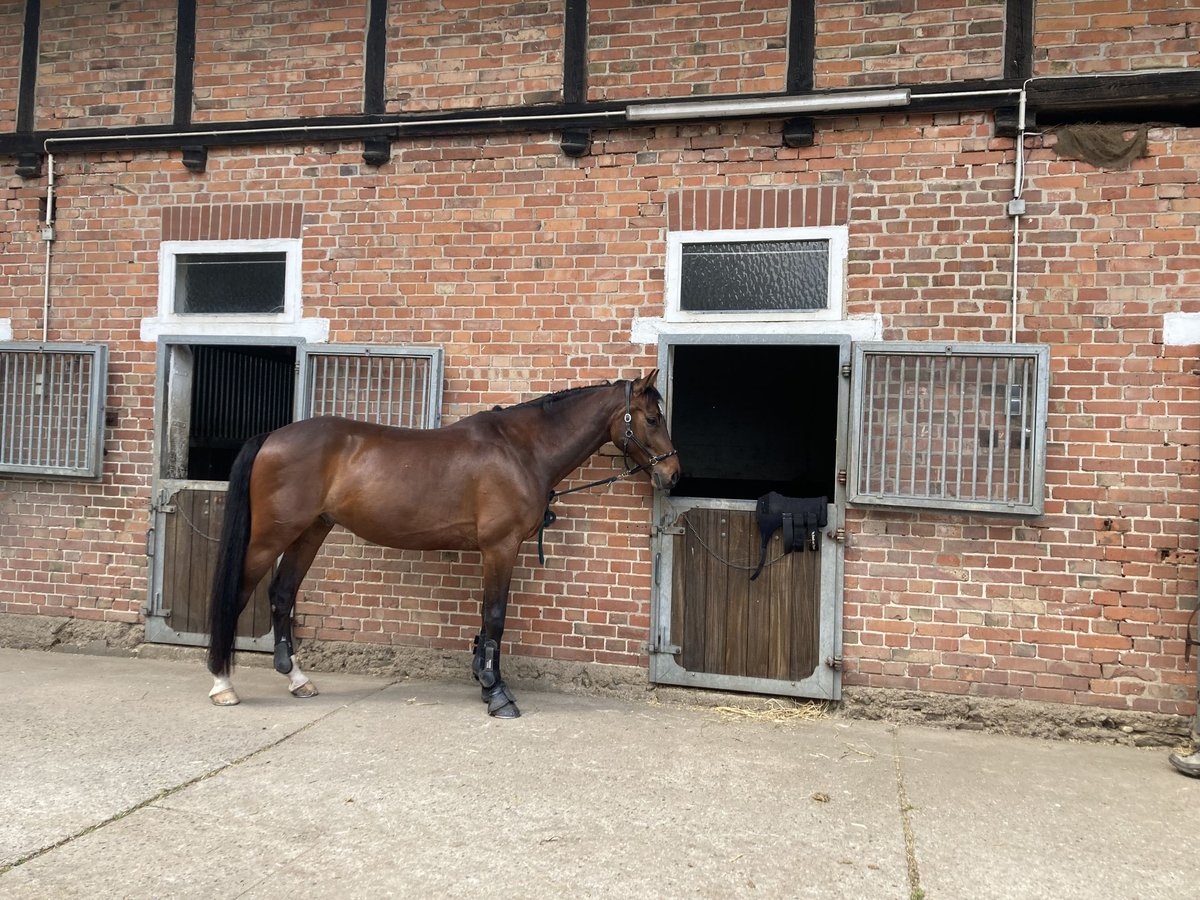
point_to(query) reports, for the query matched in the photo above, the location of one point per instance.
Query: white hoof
(222, 693)
(304, 691)
(299, 683)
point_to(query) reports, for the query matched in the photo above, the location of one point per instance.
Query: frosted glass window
(759, 276)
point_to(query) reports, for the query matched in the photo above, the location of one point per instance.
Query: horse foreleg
(294, 565)
(485, 666)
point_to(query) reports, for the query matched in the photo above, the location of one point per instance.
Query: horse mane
(546, 401)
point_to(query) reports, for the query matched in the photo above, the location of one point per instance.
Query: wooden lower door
(187, 531)
(714, 627)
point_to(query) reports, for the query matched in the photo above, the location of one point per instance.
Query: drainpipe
(48, 237)
(1016, 208)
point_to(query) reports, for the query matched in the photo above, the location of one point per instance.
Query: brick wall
(904, 42)
(528, 268)
(12, 20)
(105, 64)
(1117, 36)
(261, 60)
(467, 54)
(638, 50)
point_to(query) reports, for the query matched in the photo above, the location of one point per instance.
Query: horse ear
(646, 381)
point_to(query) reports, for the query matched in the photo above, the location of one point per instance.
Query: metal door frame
(163, 489)
(826, 681)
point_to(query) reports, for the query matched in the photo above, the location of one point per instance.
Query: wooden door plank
(678, 570)
(806, 617)
(758, 620)
(174, 589)
(716, 536)
(693, 595)
(737, 594)
(781, 587)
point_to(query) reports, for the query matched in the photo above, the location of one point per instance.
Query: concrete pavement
(121, 780)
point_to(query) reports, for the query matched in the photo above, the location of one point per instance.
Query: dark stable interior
(237, 392)
(748, 419)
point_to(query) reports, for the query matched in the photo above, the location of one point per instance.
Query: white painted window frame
(292, 306)
(838, 237)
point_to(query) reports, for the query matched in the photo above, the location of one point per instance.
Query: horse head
(641, 432)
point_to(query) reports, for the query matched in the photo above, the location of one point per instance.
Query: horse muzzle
(666, 474)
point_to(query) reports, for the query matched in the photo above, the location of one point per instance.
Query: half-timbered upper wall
(11, 25)
(904, 42)
(104, 64)
(639, 50)
(471, 54)
(258, 59)
(1073, 38)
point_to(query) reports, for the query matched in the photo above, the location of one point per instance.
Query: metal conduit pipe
(48, 237)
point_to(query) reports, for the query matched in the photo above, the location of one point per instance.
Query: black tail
(231, 560)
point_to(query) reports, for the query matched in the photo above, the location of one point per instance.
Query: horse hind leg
(294, 565)
(257, 565)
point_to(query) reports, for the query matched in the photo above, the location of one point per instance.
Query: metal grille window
(52, 409)
(389, 385)
(956, 427)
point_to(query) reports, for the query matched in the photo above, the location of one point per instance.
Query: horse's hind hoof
(225, 698)
(304, 691)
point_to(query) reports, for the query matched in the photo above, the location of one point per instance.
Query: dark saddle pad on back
(802, 516)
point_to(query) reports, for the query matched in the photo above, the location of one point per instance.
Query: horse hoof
(304, 691)
(226, 698)
(507, 711)
(501, 704)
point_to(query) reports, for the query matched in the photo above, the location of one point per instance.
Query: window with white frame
(52, 409)
(955, 426)
(243, 281)
(766, 274)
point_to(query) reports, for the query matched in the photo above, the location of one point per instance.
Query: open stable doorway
(750, 416)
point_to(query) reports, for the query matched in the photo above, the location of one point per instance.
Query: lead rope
(549, 517)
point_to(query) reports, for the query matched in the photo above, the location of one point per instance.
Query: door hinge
(845, 370)
(838, 534)
(834, 662)
(669, 529)
(659, 648)
(843, 477)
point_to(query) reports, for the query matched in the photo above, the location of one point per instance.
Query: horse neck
(574, 431)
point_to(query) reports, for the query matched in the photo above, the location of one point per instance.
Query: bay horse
(483, 483)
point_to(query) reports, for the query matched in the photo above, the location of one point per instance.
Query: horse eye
(652, 421)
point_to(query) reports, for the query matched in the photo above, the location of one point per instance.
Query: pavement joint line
(915, 891)
(170, 791)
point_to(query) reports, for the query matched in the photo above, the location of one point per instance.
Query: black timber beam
(375, 63)
(185, 61)
(1152, 97)
(801, 46)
